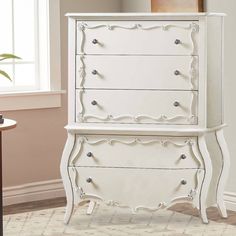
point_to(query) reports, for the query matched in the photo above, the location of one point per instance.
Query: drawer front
(138, 37)
(137, 106)
(136, 152)
(135, 187)
(137, 72)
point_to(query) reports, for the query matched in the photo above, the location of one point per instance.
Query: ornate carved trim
(192, 118)
(82, 26)
(190, 197)
(80, 140)
(82, 71)
(139, 141)
(193, 72)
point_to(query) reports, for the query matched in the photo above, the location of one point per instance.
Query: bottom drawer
(134, 187)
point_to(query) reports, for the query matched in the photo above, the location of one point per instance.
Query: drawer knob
(176, 104)
(89, 154)
(177, 72)
(89, 180)
(183, 156)
(177, 41)
(94, 72)
(95, 41)
(94, 103)
(183, 182)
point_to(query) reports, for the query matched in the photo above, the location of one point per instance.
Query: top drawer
(138, 37)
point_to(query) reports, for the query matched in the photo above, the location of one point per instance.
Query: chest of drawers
(144, 92)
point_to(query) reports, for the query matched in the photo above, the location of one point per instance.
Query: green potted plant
(6, 56)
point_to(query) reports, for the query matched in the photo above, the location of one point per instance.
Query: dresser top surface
(142, 15)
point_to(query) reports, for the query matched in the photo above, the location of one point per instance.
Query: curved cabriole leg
(207, 177)
(70, 143)
(224, 172)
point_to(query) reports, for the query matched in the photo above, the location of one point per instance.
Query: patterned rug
(113, 222)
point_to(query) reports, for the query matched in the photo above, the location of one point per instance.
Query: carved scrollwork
(80, 140)
(191, 118)
(82, 26)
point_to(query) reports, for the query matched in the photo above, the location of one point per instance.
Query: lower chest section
(136, 171)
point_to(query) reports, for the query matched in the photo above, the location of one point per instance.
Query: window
(30, 29)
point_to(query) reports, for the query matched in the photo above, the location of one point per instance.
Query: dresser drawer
(137, 72)
(138, 37)
(137, 106)
(135, 187)
(136, 152)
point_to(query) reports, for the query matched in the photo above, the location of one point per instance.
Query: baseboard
(33, 192)
(230, 200)
(54, 188)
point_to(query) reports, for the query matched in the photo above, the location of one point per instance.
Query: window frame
(42, 98)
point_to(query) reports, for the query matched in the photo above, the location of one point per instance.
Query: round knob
(94, 103)
(95, 41)
(183, 182)
(89, 180)
(177, 41)
(177, 72)
(183, 156)
(89, 154)
(176, 104)
(94, 72)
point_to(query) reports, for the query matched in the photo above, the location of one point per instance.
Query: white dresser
(145, 90)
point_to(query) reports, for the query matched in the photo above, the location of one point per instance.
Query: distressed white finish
(224, 171)
(130, 71)
(162, 152)
(133, 147)
(119, 109)
(139, 37)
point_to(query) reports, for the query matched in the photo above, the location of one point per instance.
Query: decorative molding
(137, 141)
(81, 140)
(82, 26)
(33, 192)
(193, 71)
(192, 118)
(82, 71)
(93, 197)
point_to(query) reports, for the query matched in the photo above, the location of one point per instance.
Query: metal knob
(183, 156)
(177, 72)
(95, 41)
(89, 154)
(176, 104)
(183, 182)
(89, 180)
(94, 72)
(177, 41)
(94, 103)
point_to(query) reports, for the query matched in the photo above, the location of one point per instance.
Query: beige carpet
(113, 222)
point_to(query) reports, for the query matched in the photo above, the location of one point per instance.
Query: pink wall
(32, 151)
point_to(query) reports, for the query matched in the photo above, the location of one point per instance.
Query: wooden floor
(212, 212)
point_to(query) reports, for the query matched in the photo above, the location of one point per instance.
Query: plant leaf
(8, 56)
(3, 73)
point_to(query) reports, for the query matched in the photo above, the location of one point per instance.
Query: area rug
(111, 221)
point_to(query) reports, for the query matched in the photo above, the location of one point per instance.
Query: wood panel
(177, 5)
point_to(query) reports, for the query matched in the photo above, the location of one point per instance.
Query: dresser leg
(91, 207)
(207, 177)
(224, 172)
(70, 143)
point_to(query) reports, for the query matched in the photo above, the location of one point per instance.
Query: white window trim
(42, 99)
